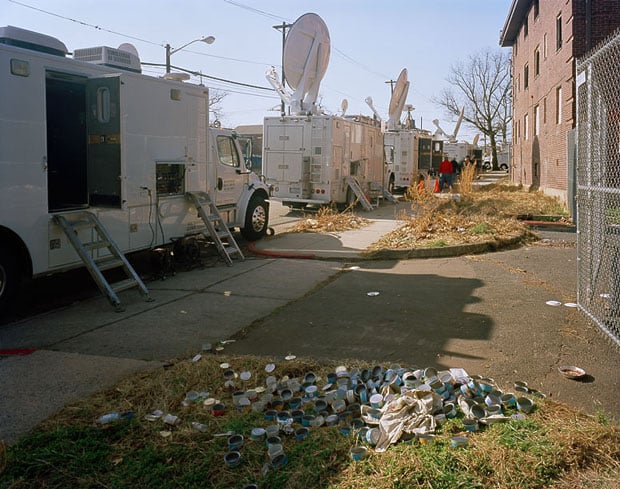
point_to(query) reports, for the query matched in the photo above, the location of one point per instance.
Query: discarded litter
(372, 294)
(154, 415)
(572, 372)
(378, 405)
(554, 303)
(570, 304)
(114, 417)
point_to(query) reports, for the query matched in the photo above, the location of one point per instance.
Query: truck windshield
(227, 151)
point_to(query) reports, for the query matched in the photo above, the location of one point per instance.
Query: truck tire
(256, 219)
(9, 278)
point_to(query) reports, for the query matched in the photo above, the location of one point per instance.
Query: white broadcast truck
(98, 160)
(401, 141)
(310, 158)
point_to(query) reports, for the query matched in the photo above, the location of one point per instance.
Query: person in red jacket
(445, 173)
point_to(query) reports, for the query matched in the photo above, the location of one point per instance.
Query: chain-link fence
(598, 186)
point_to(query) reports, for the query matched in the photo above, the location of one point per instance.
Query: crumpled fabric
(409, 413)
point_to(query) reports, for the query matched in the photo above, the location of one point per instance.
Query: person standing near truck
(445, 174)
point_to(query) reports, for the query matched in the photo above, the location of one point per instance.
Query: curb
(554, 226)
(447, 251)
(412, 253)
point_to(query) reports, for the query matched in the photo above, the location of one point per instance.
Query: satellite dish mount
(306, 56)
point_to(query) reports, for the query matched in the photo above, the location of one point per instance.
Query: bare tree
(215, 103)
(482, 85)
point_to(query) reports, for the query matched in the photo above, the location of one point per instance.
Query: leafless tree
(215, 103)
(482, 85)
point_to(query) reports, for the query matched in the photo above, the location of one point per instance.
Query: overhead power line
(99, 28)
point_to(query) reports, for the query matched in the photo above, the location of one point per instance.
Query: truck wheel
(256, 219)
(9, 278)
(503, 167)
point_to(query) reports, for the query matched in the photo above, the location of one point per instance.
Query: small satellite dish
(177, 76)
(129, 48)
(397, 102)
(306, 56)
(344, 105)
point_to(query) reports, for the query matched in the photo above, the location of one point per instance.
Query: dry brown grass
(329, 220)
(482, 214)
(468, 176)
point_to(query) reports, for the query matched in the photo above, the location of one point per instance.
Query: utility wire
(255, 10)
(211, 77)
(85, 23)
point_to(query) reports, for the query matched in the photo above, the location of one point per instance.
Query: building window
(536, 120)
(558, 105)
(525, 28)
(558, 32)
(545, 46)
(545, 110)
(526, 76)
(537, 61)
(536, 9)
(526, 123)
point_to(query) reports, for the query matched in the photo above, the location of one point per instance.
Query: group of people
(448, 170)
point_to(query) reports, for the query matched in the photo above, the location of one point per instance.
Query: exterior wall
(540, 156)
(539, 160)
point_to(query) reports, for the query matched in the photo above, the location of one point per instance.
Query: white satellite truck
(98, 160)
(310, 158)
(401, 141)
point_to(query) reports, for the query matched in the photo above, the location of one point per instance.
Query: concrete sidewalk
(346, 245)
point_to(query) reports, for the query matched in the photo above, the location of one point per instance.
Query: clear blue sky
(372, 41)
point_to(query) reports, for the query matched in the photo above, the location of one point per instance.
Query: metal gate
(598, 186)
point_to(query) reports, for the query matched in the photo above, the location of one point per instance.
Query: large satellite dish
(306, 56)
(397, 102)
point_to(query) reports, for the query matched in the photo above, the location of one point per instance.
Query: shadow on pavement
(412, 320)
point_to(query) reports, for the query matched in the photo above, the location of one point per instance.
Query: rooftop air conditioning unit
(107, 56)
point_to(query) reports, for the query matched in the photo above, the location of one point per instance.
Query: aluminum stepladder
(359, 193)
(217, 228)
(73, 221)
(387, 195)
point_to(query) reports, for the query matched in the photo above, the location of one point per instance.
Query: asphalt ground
(486, 313)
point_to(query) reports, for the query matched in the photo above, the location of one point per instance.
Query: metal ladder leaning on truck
(98, 160)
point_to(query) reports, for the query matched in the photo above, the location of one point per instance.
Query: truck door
(229, 167)
(66, 141)
(284, 145)
(104, 141)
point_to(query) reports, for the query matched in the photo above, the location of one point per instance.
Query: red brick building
(547, 36)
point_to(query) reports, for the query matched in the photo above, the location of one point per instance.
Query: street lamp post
(170, 51)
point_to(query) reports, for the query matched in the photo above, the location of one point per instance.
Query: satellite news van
(401, 141)
(98, 160)
(310, 158)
